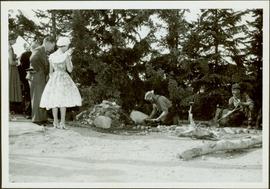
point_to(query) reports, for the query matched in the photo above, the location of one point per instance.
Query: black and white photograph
(138, 94)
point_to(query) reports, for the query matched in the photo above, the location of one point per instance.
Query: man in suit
(24, 65)
(37, 76)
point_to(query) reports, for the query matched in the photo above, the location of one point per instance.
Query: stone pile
(105, 115)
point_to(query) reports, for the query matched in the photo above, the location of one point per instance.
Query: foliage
(194, 61)
(254, 61)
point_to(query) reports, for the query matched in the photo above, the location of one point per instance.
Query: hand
(156, 120)
(239, 104)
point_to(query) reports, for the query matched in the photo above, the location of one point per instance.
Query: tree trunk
(53, 25)
(216, 36)
(222, 145)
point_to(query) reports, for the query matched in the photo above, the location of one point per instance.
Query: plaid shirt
(161, 103)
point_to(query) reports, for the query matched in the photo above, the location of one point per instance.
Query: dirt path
(85, 155)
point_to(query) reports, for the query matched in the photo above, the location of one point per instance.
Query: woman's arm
(51, 69)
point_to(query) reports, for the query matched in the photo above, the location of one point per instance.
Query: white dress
(60, 90)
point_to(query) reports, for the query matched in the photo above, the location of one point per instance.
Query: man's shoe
(48, 122)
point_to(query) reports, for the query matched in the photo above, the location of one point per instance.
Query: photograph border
(5, 6)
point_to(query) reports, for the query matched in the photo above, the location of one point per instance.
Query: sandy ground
(86, 155)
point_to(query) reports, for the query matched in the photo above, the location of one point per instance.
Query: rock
(138, 117)
(155, 129)
(245, 131)
(103, 122)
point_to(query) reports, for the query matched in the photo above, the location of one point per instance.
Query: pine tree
(110, 53)
(166, 71)
(213, 48)
(24, 27)
(254, 61)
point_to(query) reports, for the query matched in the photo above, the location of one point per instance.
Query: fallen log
(198, 133)
(222, 145)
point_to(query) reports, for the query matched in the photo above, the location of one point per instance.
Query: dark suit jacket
(39, 61)
(40, 65)
(25, 64)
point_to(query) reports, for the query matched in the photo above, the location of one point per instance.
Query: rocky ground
(38, 154)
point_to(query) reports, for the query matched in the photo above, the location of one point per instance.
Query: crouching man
(162, 107)
(240, 109)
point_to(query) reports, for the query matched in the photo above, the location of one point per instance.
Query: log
(222, 145)
(198, 133)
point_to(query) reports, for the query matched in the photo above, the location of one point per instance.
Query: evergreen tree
(24, 27)
(195, 61)
(54, 22)
(111, 53)
(254, 61)
(213, 48)
(166, 72)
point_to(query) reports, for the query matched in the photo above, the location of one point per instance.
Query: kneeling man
(161, 106)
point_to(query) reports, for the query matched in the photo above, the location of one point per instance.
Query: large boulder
(103, 122)
(138, 117)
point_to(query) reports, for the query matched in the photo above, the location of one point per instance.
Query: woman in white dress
(60, 91)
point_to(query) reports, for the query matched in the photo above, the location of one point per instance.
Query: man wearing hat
(38, 72)
(240, 108)
(161, 105)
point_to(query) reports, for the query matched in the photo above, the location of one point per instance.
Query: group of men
(34, 69)
(239, 110)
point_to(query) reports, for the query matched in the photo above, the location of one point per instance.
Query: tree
(254, 61)
(166, 71)
(23, 27)
(52, 22)
(213, 48)
(112, 53)
(198, 61)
